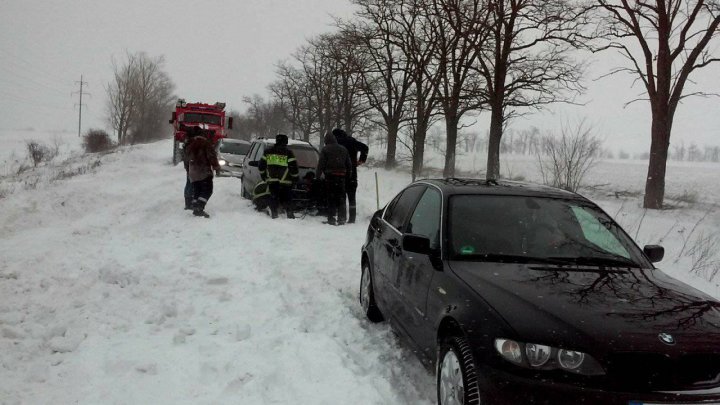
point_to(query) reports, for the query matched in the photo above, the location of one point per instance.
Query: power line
(32, 80)
(28, 65)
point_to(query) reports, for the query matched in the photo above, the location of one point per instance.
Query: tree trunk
(391, 145)
(496, 126)
(655, 184)
(451, 127)
(419, 149)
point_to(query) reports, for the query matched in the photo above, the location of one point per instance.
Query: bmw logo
(666, 338)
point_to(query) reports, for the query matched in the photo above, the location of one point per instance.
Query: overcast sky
(224, 50)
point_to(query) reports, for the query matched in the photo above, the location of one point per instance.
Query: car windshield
(201, 118)
(307, 156)
(524, 229)
(234, 148)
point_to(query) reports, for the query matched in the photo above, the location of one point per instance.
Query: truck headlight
(222, 162)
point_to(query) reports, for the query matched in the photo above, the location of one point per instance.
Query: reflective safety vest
(261, 190)
(278, 165)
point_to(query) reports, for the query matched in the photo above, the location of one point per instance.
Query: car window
(259, 151)
(401, 207)
(307, 156)
(523, 228)
(597, 234)
(425, 219)
(234, 148)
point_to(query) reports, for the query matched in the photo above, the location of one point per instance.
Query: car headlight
(222, 162)
(537, 355)
(570, 359)
(542, 357)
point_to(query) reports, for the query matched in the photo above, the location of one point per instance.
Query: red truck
(209, 117)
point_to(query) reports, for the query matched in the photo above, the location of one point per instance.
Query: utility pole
(80, 105)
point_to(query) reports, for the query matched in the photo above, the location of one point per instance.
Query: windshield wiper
(503, 258)
(597, 260)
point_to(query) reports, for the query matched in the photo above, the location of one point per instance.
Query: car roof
(271, 141)
(231, 140)
(454, 186)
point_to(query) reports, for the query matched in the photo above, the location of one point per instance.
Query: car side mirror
(253, 163)
(173, 118)
(230, 122)
(416, 243)
(654, 252)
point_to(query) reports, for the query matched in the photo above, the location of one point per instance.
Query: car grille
(650, 371)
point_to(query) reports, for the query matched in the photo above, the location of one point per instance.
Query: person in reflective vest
(278, 167)
(261, 196)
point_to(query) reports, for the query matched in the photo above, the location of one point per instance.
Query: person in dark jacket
(278, 167)
(353, 147)
(202, 161)
(334, 164)
(190, 133)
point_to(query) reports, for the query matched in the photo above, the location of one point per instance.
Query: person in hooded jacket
(279, 168)
(190, 133)
(353, 147)
(335, 165)
(202, 162)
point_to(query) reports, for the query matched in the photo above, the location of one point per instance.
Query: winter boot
(330, 221)
(352, 211)
(290, 215)
(199, 209)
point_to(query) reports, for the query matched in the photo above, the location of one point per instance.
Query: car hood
(619, 309)
(230, 158)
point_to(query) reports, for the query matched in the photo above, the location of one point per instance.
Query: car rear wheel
(367, 295)
(457, 379)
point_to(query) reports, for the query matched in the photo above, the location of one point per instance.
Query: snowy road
(111, 293)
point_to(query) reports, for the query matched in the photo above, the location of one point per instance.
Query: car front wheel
(457, 379)
(367, 295)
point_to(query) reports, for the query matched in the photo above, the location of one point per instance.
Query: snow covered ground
(111, 293)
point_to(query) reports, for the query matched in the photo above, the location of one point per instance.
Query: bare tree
(291, 90)
(527, 61)
(386, 81)
(266, 118)
(458, 26)
(563, 161)
(153, 92)
(138, 97)
(674, 38)
(121, 103)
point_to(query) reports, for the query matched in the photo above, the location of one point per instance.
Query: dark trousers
(281, 195)
(335, 186)
(188, 192)
(350, 189)
(202, 190)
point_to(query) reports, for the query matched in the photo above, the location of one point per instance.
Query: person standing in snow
(278, 167)
(202, 162)
(190, 133)
(334, 163)
(353, 147)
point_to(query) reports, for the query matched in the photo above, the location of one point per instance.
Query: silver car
(231, 153)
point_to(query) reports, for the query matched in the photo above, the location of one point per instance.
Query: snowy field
(110, 293)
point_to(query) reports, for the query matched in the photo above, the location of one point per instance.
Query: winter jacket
(353, 147)
(202, 159)
(278, 165)
(334, 159)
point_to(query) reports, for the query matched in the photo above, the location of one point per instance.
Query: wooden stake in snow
(377, 192)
